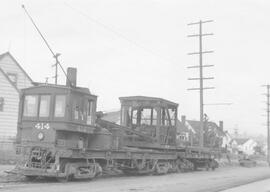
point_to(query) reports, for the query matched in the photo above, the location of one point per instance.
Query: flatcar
(61, 135)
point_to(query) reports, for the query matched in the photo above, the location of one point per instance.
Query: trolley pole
(201, 77)
(55, 55)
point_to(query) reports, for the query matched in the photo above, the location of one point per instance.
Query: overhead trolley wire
(117, 33)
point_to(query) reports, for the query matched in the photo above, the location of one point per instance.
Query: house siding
(8, 65)
(9, 115)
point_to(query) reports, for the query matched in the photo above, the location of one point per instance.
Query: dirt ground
(221, 179)
(260, 186)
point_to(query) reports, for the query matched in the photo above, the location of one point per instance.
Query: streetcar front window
(60, 106)
(44, 109)
(30, 106)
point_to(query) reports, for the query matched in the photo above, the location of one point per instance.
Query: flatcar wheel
(195, 168)
(162, 168)
(207, 167)
(30, 177)
(65, 179)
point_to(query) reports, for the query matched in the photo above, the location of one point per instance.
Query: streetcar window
(172, 115)
(30, 106)
(154, 117)
(146, 116)
(60, 106)
(89, 111)
(135, 114)
(164, 117)
(44, 109)
(143, 116)
(78, 110)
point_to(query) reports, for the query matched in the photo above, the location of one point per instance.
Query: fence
(7, 150)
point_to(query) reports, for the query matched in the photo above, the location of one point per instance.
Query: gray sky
(139, 47)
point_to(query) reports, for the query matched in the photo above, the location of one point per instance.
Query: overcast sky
(139, 47)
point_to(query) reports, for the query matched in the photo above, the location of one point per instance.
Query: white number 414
(42, 126)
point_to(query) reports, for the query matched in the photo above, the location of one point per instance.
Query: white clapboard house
(12, 79)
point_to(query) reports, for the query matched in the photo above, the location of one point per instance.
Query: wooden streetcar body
(60, 135)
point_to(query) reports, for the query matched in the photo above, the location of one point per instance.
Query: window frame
(172, 115)
(15, 77)
(65, 108)
(89, 111)
(146, 120)
(165, 119)
(50, 107)
(137, 118)
(37, 107)
(78, 107)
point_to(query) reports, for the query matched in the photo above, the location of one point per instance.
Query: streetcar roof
(146, 98)
(47, 86)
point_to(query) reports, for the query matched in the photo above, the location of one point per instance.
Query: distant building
(185, 132)
(188, 133)
(227, 141)
(113, 116)
(12, 79)
(244, 145)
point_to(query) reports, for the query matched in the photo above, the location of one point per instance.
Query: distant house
(227, 141)
(185, 132)
(113, 116)
(189, 133)
(12, 79)
(245, 145)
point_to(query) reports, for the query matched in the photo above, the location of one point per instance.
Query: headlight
(41, 136)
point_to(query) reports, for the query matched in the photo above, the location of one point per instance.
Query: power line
(201, 78)
(117, 33)
(217, 104)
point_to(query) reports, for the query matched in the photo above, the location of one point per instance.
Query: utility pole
(268, 120)
(201, 77)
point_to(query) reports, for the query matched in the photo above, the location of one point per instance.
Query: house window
(60, 106)
(13, 78)
(1, 104)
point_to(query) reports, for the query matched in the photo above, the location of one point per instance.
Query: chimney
(221, 125)
(71, 80)
(183, 119)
